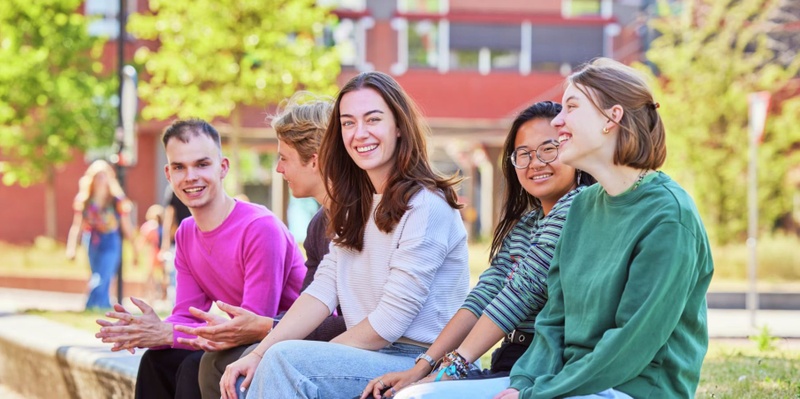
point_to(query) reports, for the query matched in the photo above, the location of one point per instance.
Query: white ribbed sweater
(408, 283)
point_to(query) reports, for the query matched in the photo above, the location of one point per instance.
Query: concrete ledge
(40, 358)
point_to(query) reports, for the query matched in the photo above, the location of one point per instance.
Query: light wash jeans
(480, 389)
(313, 369)
(104, 256)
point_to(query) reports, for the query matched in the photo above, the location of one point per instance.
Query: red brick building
(470, 64)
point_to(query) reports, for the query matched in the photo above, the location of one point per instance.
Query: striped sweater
(514, 288)
(409, 282)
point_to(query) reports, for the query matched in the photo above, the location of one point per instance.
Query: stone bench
(40, 358)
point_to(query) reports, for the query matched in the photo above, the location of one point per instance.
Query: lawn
(741, 370)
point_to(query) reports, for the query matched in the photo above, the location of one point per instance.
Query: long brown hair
(86, 185)
(350, 188)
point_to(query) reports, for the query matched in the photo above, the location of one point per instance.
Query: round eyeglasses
(546, 152)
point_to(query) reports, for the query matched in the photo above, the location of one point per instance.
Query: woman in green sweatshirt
(626, 309)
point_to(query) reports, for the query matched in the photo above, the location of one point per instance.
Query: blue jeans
(480, 389)
(104, 257)
(313, 369)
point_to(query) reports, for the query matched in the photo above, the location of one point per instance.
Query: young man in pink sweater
(229, 251)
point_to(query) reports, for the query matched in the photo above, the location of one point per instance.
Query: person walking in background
(149, 241)
(102, 216)
(538, 192)
(228, 251)
(397, 263)
(299, 125)
(626, 309)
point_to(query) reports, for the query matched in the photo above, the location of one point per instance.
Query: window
(422, 6)
(342, 36)
(353, 5)
(554, 46)
(581, 8)
(105, 20)
(423, 40)
(485, 47)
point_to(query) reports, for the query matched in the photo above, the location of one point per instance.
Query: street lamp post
(758, 103)
(128, 106)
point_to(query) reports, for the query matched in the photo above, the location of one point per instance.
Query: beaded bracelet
(457, 368)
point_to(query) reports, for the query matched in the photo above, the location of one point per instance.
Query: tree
(707, 58)
(52, 101)
(215, 57)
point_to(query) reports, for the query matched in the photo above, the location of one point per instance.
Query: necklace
(638, 181)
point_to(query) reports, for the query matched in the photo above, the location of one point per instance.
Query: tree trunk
(235, 148)
(50, 204)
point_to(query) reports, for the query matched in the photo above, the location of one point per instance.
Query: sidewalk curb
(766, 300)
(40, 358)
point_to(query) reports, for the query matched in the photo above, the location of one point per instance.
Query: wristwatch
(426, 358)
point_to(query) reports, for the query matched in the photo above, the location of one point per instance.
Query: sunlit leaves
(52, 101)
(213, 56)
(708, 58)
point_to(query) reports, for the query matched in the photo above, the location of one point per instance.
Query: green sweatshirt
(627, 298)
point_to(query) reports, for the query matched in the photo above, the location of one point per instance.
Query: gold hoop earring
(605, 130)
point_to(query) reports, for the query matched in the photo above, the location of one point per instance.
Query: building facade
(471, 65)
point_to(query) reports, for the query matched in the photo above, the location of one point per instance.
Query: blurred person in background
(150, 235)
(102, 217)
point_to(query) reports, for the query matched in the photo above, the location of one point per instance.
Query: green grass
(777, 258)
(81, 320)
(742, 371)
(45, 258)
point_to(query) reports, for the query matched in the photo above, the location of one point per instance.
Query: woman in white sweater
(398, 261)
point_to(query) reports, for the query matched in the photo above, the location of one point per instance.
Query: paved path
(13, 300)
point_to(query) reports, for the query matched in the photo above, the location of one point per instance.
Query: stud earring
(605, 130)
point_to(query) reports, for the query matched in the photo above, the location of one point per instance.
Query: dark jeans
(168, 374)
(503, 359)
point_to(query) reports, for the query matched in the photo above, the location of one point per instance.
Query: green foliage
(764, 340)
(52, 102)
(214, 56)
(708, 58)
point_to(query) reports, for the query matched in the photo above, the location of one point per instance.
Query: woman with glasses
(509, 295)
(626, 309)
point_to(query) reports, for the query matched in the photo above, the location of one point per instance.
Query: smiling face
(195, 170)
(303, 179)
(369, 133)
(580, 131)
(547, 182)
